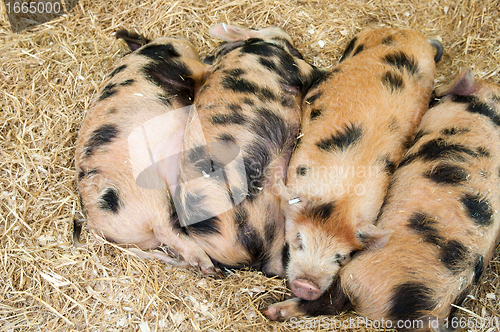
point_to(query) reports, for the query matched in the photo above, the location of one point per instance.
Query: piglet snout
(305, 289)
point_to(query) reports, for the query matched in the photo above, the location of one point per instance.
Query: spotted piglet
(139, 116)
(357, 120)
(239, 138)
(442, 207)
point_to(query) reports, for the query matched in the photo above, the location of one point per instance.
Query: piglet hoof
(205, 264)
(275, 312)
(212, 271)
(199, 259)
(305, 289)
(282, 311)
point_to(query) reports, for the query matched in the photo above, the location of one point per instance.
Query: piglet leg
(156, 254)
(330, 302)
(282, 311)
(187, 248)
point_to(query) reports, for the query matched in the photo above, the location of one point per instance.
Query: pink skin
(305, 289)
(139, 168)
(228, 247)
(313, 264)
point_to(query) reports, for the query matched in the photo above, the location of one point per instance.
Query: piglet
(128, 148)
(357, 121)
(239, 137)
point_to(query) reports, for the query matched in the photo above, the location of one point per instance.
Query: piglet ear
(230, 33)
(462, 85)
(373, 237)
(133, 40)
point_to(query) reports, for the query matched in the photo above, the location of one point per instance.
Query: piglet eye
(297, 242)
(341, 259)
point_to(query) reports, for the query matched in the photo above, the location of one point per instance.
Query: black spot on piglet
(285, 255)
(270, 232)
(84, 173)
(256, 159)
(248, 101)
(227, 119)
(359, 49)
(479, 210)
(117, 70)
(348, 49)
(478, 268)
(402, 62)
(322, 77)
(204, 227)
(240, 216)
(341, 140)
(447, 174)
(110, 200)
(251, 240)
(321, 212)
(452, 255)
(237, 72)
(476, 106)
(437, 149)
(465, 99)
(192, 218)
(259, 48)
(424, 225)
(159, 52)
(172, 76)
(227, 138)
(410, 300)
(127, 82)
(239, 85)
(389, 40)
(269, 64)
(454, 131)
(389, 165)
(393, 81)
(108, 91)
(486, 110)
(102, 135)
(203, 162)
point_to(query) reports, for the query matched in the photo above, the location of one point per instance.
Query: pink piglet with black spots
(128, 148)
(357, 122)
(442, 208)
(238, 138)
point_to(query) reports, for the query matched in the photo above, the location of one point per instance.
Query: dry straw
(48, 76)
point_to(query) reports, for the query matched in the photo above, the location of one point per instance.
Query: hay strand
(49, 74)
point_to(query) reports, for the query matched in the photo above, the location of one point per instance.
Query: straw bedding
(49, 74)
